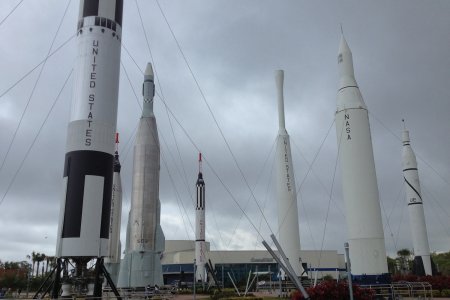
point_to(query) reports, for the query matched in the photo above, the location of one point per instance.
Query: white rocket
(112, 261)
(200, 244)
(359, 181)
(288, 226)
(141, 265)
(88, 171)
(422, 259)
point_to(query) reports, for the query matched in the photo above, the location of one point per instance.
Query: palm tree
(39, 258)
(33, 259)
(50, 260)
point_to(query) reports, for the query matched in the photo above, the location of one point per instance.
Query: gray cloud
(401, 60)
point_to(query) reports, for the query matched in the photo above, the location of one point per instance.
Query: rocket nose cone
(343, 46)
(405, 136)
(148, 70)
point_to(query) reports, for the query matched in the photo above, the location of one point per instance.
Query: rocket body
(88, 171)
(200, 244)
(141, 265)
(112, 261)
(422, 259)
(359, 181)
(288, 226)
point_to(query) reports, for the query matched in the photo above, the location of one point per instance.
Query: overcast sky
(401, 52)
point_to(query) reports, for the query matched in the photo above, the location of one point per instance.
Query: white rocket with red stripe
(112, 261)
(88, 170)
(422, 258)
(200, 244)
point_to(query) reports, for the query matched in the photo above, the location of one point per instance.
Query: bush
(332, 290)
(436, 293)
(437, 282)
(223, 295)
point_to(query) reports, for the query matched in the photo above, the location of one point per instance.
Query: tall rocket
(359, 181)
(200, 244)
(88, 170)
(288, 226)
(423, 264)
(112, 261)
(141, 265)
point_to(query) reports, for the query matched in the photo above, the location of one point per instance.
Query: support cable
(34, 140)
(331, 197)
(424, 161)
(33, 90)
(161, 96)
(212, 114)
(249, 198)
(10, 13)
(164, 161)
(167, 113)
(309, 169)
(35, 67)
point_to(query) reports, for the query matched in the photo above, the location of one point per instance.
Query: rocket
(83, 229)
(141, 265)
(423, 264)
(200, 244)
(112, 261)
(359, 181)
(288, 226)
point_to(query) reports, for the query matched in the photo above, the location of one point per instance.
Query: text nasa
(91, 99)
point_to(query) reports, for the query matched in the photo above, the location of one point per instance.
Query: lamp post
(194, 281)
(349, 272)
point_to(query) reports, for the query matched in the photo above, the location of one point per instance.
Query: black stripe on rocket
(200, 192)
(410, 185)
(77, 165)
(90, 8)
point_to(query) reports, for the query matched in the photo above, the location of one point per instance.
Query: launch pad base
(77, 284)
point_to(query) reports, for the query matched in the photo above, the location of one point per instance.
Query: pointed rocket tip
(149, 70)
(343, 46)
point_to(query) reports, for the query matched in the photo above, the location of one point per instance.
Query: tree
(33, 259)
(392, 265)
(442, 261)
(405, 260)
(39, 257)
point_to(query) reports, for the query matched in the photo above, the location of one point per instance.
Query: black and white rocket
(88, 170)
(200, 244)
(359, 181)
(112, 261)
(141, 265)
(423, 264)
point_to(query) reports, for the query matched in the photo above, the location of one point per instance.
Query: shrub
(332, 290)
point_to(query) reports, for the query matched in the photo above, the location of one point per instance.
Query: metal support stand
(55, 285)
(97, 280)
(57, 281)
(349, 272)
(41, 288)
(286, 266)
(213, 274)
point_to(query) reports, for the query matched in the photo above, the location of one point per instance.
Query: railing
(162, 293)
(403, 289)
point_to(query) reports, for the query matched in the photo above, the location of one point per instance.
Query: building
(178, 263)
